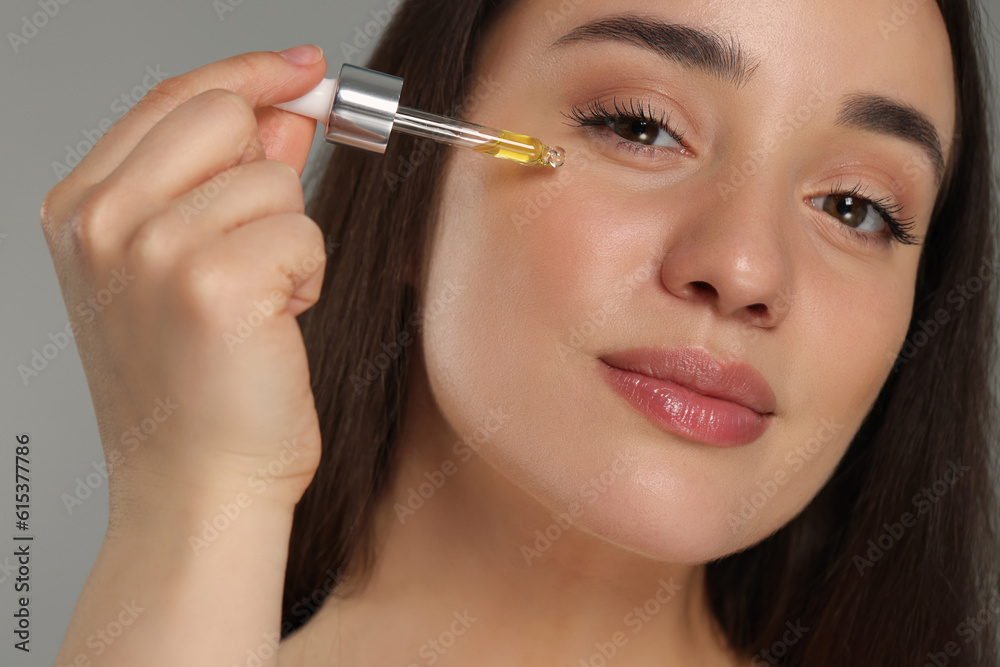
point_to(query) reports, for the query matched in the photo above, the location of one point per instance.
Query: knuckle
(282, 179)
(250, 147)
(313, 233)
(91, 222)
(250, 66)
(47, 215)
(203, 290)
(234, 106)
(301, 226)
(169, 93)
(311, 237)
(152, 245)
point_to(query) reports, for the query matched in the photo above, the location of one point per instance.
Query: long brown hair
(852, 573)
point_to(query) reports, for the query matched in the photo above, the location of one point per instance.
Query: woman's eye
(643, 129)
(853, 211)
(642, 132)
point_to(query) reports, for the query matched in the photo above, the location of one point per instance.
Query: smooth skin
(524, 257)
(452, 582)
(137, 204)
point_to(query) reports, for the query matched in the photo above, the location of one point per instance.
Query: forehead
(794, 47)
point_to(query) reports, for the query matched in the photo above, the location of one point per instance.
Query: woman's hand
(184, 256)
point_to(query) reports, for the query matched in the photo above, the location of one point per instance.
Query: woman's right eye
(643, 132)
(642, 128)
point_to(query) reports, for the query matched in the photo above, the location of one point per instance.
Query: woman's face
(742, 240)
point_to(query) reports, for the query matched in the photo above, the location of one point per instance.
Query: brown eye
(638, 131)
(852, 211)
(642, 132)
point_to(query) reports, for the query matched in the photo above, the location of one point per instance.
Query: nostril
(703, 287)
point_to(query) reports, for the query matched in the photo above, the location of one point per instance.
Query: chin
(680, 521)
(660, 499)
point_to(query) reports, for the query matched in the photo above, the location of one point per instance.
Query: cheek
(513, 241)
(839, 358)
(538, 259)
(573, 249)
(546, 259)
(535, 251)
(852, 329)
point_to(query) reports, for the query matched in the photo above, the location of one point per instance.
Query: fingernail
(307, 54)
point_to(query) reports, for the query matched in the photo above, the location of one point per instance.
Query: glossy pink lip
(688, 392)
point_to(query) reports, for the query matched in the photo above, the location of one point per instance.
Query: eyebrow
(708, 52)
(684, 44)
(877, 113)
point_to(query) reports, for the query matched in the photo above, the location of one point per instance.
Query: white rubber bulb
(314, 104)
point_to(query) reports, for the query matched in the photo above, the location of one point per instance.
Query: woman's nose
(733, 255)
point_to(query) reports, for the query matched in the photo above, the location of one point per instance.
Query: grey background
(59, 85)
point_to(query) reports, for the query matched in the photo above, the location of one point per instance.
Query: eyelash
(596, 114)
(899, 230)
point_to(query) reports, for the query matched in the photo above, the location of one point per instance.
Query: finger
(201, 138)
(287, 136)
(229, 199)
(262, 78)
(272, 261)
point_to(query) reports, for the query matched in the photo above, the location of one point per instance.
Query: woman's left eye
(868, 218)
(853, 211)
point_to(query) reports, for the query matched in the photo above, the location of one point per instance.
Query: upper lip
(698, 370)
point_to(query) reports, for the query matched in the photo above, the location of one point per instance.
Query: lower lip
(684, 412)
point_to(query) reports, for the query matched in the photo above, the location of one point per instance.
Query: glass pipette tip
(520, 148)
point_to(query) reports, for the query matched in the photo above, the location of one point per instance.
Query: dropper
(361, 109)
